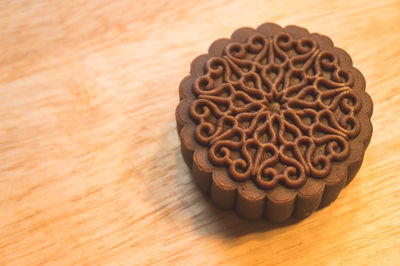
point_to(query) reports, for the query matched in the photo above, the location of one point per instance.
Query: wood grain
(90, 168)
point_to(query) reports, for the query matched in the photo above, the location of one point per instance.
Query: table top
(91, 171)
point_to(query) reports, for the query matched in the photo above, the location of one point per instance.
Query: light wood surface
(91, 171)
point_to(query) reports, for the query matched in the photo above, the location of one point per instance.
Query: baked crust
(300, 183)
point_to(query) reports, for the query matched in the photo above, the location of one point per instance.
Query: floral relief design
(275, 110)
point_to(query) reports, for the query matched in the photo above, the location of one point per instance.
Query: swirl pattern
(275, 110)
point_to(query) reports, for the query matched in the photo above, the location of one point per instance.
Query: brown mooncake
(273, 122)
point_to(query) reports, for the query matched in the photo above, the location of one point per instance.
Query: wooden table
(91, 171)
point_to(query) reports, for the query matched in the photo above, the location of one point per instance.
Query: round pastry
(273, 122)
